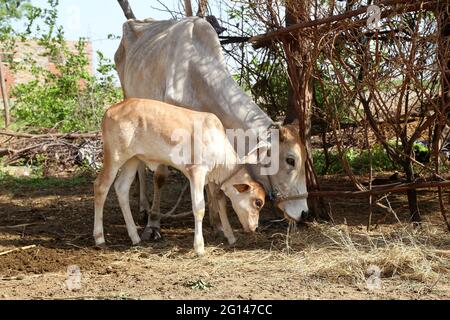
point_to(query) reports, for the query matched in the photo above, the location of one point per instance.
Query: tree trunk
(412, 194)
(443, 46)
(441, 128)
(444, 53)
(4, 95)
(300, 95)
(291, 113)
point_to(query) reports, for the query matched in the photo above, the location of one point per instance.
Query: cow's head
(289, 181)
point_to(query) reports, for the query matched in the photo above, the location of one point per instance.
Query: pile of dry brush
(52, 151)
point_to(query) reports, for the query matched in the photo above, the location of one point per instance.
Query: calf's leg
(122, 187)
(227, 230)
(197, 183)
(101, 187)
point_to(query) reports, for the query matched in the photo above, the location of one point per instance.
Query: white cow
(181, 62)
(145, 130)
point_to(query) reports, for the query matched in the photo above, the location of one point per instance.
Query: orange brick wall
(32, 48)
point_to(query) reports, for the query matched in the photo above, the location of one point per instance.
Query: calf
(137, 130)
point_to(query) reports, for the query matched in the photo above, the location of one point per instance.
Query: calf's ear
(243, 187)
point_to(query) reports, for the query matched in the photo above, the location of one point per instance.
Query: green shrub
(70, 99)
(357, 159)
(11, 183)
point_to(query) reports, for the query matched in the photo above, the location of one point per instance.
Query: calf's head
(247, 198)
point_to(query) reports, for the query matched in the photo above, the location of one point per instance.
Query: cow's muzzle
(301, 217)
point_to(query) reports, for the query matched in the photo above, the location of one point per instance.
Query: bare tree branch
(126, 8)
(262, 40)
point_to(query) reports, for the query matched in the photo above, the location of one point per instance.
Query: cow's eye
(290, 161)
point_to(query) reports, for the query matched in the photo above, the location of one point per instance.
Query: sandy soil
(314, 261)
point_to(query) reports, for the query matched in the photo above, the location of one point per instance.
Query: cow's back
(155, 56)
(181, 63)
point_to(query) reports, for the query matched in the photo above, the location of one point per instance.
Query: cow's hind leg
(144, 207)
(101, 187)
(122, 187)
(153, 228)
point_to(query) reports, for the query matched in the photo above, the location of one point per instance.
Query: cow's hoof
(151, 233)
(218, 233)
(143, 217)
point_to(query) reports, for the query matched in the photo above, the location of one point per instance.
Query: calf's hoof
(151, 233)
(231, 241)
(136, 243)
(101, 246)
(200, 252)
(199, 247)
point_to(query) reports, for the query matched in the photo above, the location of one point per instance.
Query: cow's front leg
(197, 183)
(213, 209)
(153, 228)
(227, 230)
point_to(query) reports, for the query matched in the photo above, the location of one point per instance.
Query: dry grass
(312, 261)
(345, 253)
(337, 254)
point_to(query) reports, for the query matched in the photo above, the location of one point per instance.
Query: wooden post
(4, 94)
(188, 8)
(202, 6)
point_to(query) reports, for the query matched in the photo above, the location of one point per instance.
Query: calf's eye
(258, 203)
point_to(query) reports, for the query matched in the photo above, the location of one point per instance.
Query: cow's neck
(226, 99)
(236, 110)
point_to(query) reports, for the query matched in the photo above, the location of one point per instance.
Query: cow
(146, 130)
(181, 63)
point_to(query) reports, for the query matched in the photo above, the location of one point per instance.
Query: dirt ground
(312, 261)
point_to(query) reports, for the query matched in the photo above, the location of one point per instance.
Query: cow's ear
(242, 187)
(282, 130)
(283, 134)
